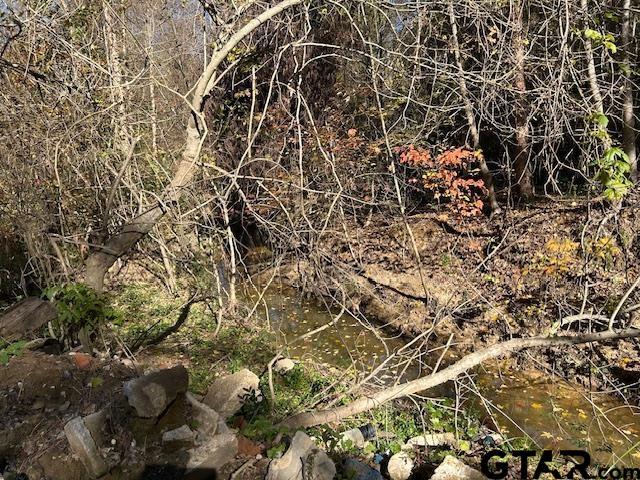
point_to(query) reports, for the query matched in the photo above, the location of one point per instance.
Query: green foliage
(81, 310)
(598, 39)
(11, 350)
(614, 168)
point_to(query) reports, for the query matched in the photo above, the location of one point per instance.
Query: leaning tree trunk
(628, 115)
(521, 163)
(119, 244)
(363, 404)
(468, 108)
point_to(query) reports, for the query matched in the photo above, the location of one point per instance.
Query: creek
(551, 412)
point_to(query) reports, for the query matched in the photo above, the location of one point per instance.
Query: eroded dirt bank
(489, 280)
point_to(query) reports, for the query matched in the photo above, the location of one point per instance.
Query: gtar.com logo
(495, 465)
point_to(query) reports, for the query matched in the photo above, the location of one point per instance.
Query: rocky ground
(73, 417)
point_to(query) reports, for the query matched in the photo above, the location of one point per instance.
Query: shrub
(448, 175)
(81, 312)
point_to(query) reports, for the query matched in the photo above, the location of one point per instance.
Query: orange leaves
(446, 176)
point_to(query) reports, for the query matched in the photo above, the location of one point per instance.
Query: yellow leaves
(537, 405)
(557, 258)
(604, 250)
(582, 414)
(546, 435)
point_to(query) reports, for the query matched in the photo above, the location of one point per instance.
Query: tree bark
(471, 120)
(521, 163)
(628, 116)
(122, 131)
(362, 404)
(103, 258)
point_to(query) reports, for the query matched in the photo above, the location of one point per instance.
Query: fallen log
(363, 404)
(24, 317)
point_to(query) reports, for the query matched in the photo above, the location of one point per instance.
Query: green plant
(613, 171)
(597, 39)
(11, 350)
(81, 311)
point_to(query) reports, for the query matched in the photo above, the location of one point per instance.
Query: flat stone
(318, 466)
(400, 466)
(213, 455)
(433, 440)
(181, 437)
(226, 395)
(83, 445)
(356, 470)
(453, 469)
(151, 394)
(289, 466)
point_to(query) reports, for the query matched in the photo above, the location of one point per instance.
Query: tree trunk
(592, 74)
(104, 257)
(122, 132)
(362, 404)
(521, 163)
(471, 120)
(628, 116)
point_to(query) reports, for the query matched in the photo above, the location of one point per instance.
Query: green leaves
(79, 307)
(614, 167)
(11, 350)
(607, 40)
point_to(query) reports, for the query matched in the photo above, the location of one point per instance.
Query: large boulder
(151, 394)
(226, 395)
(84, 447)
(453, 469)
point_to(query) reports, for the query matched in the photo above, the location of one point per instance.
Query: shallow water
(552, 413)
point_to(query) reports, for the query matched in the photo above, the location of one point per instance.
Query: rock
(83, 445)
(82, 361)
(356, 470)
(289, 466)
(433, 440)
(284, 366)
(177, 438)
(96, 423)
(354, 438)
(207, 420)
(400, 466)
(453, 469)
(151, 394)
(226, 395)
(318, 466)
(213, 455)
(26, 316)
